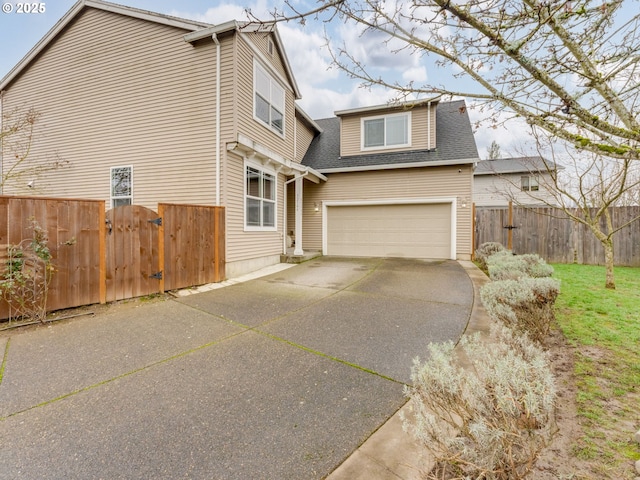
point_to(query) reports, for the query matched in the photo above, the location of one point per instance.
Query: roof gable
(73, 13)
(246, 28)
(454, 140)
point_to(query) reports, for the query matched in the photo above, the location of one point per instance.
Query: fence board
(92, 266)
(76, 277)
(552, 235)
(193, 244)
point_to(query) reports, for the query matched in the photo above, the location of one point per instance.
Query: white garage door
(405, 230)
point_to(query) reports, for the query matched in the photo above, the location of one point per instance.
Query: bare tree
(16, 139)
(586, 190)
(570, 68)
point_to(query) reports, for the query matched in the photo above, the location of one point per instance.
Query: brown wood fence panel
(551, 234)
(123, 253)
(193, 244)
(74, 229)
(132, 252)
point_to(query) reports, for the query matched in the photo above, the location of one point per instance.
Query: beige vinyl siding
(351, 131)
(242, 245)
(260, 41)
(247, 125)
(407, 183)
(118, 91)
(304, 137)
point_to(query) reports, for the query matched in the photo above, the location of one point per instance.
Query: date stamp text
(24, 8)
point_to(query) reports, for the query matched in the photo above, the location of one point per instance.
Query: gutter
(392, 166)
(214, 37)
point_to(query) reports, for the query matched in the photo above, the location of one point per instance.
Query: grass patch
(604, 327)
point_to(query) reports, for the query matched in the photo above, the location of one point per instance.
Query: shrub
(487, 422)
(514, 267)
(24, 282)
(485, 250)
(526, 305)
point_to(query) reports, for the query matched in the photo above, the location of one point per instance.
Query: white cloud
(417, 75)
(514, 136)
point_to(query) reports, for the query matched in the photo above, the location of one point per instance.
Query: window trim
(530, 180)
(258, 67)
(111, 196)
(363, 121)
(260, 228)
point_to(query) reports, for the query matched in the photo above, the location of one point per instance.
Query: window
(121, 186)
(529, 183)
(387, 131)
(268, 100)
(260, 199)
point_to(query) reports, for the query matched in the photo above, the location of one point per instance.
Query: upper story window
(529, 183)
(260, 199)
(121, 186)
(388, 131)
(268, 100)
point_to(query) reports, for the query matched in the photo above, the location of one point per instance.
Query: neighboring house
(522, 180)
(148, 108)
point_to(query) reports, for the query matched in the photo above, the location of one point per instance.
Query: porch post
(298, 210)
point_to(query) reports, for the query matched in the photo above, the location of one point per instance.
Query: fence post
(161, 265)
(473, 231)
(510, 229)
(102, 229)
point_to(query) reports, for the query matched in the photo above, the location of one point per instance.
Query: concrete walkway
(292, 375)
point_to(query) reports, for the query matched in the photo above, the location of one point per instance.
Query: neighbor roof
(454, 145)
(514, 165)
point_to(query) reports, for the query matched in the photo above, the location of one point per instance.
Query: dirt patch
(557, 460)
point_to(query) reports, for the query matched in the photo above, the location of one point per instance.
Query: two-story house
(521, 180)
(149, 108)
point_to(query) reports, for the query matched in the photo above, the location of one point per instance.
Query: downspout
(214, 37)
(284, 239)
(429, 125)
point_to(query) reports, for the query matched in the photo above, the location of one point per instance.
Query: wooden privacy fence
(126, 252)
(552, 235)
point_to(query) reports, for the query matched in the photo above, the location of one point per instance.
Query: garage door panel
(415, 230)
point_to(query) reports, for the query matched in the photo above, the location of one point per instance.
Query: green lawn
(604, 326)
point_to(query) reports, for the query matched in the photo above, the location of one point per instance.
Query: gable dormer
(385, 129)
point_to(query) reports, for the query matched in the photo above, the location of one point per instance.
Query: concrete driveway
(281, 377)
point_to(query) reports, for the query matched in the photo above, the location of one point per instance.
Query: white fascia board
(145, 15)
(366, 168)
(308, 119)
(208, 32)
(388, 106)
(75, 10)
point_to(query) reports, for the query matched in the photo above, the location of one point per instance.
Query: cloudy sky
(324, 88)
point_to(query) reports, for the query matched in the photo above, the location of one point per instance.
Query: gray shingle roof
(454, 140)
(514, 165)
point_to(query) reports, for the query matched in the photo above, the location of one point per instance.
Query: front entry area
(416, 230)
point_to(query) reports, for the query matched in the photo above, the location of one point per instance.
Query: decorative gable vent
(270, 47)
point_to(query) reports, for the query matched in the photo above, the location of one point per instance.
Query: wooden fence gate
(149, 252)
(132, 252)
(128, 252)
